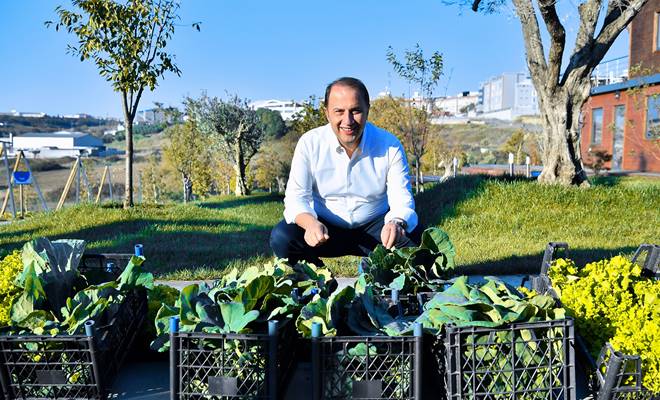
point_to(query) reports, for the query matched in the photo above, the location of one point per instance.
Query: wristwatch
(400, 222)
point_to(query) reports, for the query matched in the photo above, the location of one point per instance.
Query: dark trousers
(288, 241)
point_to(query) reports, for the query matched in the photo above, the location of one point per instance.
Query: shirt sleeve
(399, 191)
(298, 195)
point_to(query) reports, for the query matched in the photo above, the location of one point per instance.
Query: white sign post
(511, 164)
(454, 164)
(528, 172)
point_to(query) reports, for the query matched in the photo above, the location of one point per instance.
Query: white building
(508, 96)
(56, 144)
(28, 114)
(287, 109)
(77, 116)
(525, 101)
(456, 105)
(151, 116)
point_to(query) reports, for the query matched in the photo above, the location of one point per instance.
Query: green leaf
(51, 270)
(314, 311)
(186, 303)
(338, 306)
(255, 290)
(376, 308)
(398, 283)
(437, 240)
(133, 276)
(362, 349)
(33, 287)
(235, 318)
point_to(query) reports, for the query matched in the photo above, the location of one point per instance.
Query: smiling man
(349, 186)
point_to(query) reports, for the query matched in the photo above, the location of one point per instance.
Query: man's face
(347, 113)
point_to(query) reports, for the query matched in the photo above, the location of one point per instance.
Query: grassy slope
(498, 225)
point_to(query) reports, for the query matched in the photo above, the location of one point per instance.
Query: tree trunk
(562, 161)
(418, 175)
(241, 187)
(128, 192)
(281, 184)
(187, 188)
(239, 169)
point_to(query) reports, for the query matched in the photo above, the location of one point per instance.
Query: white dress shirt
(349, 192)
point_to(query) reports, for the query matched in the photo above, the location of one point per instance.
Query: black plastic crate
(407, 304)
(619, 376)
(236, 366)
(389, 369)
(70, 366)
(533, 360)
(74, 366)
(613, 371)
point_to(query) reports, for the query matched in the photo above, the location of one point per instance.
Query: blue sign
(22, 178)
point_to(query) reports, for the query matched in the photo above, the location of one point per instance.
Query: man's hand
(316, 234)
(391, 233)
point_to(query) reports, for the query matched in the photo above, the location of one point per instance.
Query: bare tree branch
(557, 40)
(533, 44)
(589, 12)
(586, 58)
(616, 20)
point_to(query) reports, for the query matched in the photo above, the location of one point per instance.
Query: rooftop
(630, 83)
(58, 134)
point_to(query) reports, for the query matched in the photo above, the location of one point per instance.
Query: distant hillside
(17, 125)
(473, 138)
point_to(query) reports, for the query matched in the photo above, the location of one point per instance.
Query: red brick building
(624, 118)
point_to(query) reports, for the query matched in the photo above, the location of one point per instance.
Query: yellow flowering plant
(10, 266)
(612, 302)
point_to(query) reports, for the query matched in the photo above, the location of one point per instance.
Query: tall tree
(235, 129)
(395, 115)
(273, 124)
(562, 94)
(425, 74)
(308, 118)
(187, 150)
(272, 164)
(126, 40)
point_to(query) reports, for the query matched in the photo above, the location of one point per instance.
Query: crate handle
(272, 359)
(652, 257)
(550, 251)
(174, 359)
(89, 328)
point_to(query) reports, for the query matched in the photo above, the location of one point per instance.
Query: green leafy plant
(492, 304)
(244, 303)
(55, 298)
(412, 269)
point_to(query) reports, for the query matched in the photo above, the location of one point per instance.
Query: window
(653, 117)
(619, 119)
(596, 125)
(657, 32)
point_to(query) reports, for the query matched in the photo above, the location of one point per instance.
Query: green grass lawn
(496, 225)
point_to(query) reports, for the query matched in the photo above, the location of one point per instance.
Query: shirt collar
(362, 147)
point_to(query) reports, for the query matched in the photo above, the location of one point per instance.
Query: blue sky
(263, 49)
